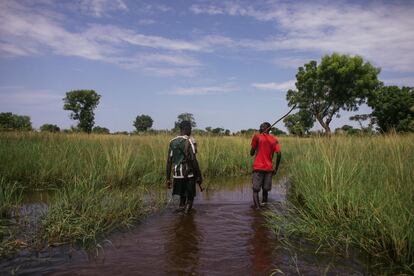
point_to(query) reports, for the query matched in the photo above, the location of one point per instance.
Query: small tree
(299, 123)
(184, 117)
(49, 128)
(393, 108)
(100, 130)
(338, 82)
(82, 104)
(143, 122)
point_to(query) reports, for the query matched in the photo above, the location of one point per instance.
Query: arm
(168, 168)
(254, 146)
(278, 156)
(192, 159)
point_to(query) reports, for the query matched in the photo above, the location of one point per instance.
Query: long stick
(281, 118)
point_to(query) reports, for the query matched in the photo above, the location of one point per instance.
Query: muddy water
(222, 236)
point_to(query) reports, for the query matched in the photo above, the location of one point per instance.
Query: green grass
(103, 182)
(347, 192)
(84, 212)
(354, 192)
(10, 197)
(40, 161)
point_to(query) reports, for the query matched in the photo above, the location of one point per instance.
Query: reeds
(354, 192)
(82, 212)
(41, 161)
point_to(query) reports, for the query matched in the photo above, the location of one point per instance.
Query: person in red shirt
(264, 145)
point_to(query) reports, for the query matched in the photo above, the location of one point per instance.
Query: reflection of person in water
(261, 246)
(183, 247)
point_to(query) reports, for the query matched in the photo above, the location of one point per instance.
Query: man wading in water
(264, 145)
(186, 172)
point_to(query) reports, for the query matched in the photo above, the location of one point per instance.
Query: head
(264, 127)
(185, 128)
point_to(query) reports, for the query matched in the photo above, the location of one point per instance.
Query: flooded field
(223, 235)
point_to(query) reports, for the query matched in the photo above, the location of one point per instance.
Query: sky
(229, 63)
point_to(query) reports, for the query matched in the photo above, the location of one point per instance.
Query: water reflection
(182, 247)
(262, 245)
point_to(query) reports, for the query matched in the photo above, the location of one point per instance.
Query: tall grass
(48, 160)
(83, 212)
(356, 192)
(10, 197)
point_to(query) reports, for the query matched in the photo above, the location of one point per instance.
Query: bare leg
(256, 200)
(189, 205)
(183, 200)
(265, 196)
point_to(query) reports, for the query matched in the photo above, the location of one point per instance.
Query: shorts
(184, 187)
(262, 180)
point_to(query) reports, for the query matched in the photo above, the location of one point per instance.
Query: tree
(360, 118)
(143, 122)
(218, 131)
(393, 108)
(10, 121)
(49, 128)
(227, 132)
(338, 82)
(82, 103)
(276, 131)
(347, 129)
(100, 130)
(299, 123)
(184, 117)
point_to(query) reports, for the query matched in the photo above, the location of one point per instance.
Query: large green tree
(82, 104)
(10, 121)
(143, 122)
(184, 117)
(338, 82)
(299, 123)
(393, 108)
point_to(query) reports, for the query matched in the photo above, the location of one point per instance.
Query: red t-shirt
(265, 145)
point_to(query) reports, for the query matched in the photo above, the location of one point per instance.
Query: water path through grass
(222, 236)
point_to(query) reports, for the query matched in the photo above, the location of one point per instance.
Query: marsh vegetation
(346, 192)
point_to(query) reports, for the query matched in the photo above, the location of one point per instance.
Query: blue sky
(229, 63)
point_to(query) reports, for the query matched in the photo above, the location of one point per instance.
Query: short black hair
(185, 125)
(265, 127)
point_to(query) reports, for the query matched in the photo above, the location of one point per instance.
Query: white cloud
(24, 31)
(280, 86)
(10, 96)
(407, 81)
(380, 31)
(146, 22)
(291, 61)
(203, 90)
(100, 8)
